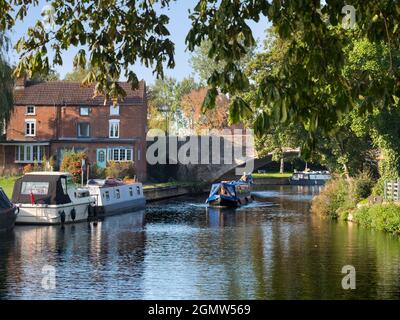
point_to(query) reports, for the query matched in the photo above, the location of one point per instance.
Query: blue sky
(179, 27)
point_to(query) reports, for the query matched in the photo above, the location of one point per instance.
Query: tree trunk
(282, 168)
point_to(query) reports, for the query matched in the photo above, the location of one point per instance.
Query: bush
(363, 185)
(28, 168)
(384, 217)
(120, 170)
(72, 163)
(334, 200)
(96, 172)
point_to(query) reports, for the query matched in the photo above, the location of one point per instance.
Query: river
(180, 249)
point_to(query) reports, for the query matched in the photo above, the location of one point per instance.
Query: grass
(271, 175)
(173, 184)
(7, 183)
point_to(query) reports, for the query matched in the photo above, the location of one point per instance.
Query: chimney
(20, 83)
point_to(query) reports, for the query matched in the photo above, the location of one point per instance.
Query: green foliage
(131, 32)
(96, 172)
(120, 170)
(72, 163)
(384, 217)
(363, 185)
(6, 82)
(168, 92)
(334, 200)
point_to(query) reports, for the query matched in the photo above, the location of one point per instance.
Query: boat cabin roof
(43, 187)
(47, 173)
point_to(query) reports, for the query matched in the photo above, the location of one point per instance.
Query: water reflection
(180, 249)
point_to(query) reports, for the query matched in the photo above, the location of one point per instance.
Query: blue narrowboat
(230, 193)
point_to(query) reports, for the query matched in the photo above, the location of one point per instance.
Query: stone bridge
(204, 158)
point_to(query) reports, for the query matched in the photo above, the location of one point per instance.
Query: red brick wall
(45, 123)
(133, 120)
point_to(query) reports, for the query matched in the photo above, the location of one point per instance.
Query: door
(101, 158)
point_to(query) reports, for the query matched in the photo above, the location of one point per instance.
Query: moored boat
(8, 212)
(231, 193)
(310, 178)
(48, 198)
(114, 196)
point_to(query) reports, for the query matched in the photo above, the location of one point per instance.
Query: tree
(6, 83)
(133, 31)
(204, 66)
(77, 75)
(168, 92)
(211, 119)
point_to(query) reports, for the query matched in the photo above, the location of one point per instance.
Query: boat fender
(62, 216)
(16, 210)
(73, 214)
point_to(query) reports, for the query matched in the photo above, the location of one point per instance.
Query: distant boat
(114, 196)
(8, 212)
(48, 198)
(310, 178)
(230, 193)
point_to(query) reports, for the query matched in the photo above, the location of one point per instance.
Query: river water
(180, 249)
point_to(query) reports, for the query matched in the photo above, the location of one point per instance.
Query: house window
(114, 129)
(29, 153)
(120, 154)
(30, 128)
(30, 110)
(114, 110)
(84, 111)
(83, 130)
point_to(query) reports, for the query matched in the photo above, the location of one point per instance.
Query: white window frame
(79, 131)
(111, 152)
(31, 122)
(40, 152)
(30, 113)
(114, 110)
(80, 111)
(112, 134)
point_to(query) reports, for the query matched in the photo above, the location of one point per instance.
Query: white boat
(48, 198)
(114, 196)
(310, 178)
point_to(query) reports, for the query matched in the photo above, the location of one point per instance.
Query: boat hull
(307, 182)
(119, 208)
(52, 215)
(7, 219)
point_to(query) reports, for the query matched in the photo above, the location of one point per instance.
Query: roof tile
(72, 93)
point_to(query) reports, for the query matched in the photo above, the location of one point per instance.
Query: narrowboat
(113, 196)
(230, 193)
(48, 198)
(310, 178)
(8, 212)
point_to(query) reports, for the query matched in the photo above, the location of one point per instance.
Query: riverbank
(343, 200)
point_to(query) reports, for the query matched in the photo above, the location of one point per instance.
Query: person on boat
(246, 178)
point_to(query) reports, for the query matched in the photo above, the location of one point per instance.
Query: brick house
(51, 118)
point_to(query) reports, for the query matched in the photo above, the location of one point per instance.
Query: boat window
(38, 188)
(64, 185)
(131, 191)
(138, 190)
(107, 195)
(117, 194)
